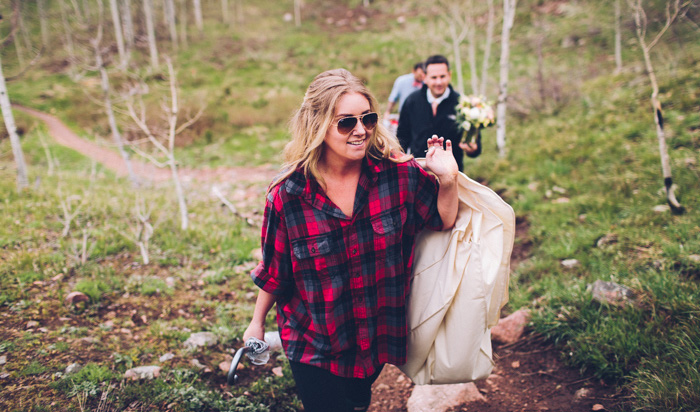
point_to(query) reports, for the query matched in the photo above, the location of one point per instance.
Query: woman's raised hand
(440, 160)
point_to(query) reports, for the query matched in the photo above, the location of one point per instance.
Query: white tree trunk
(641, 29)
(67, 32)
(297, 13)
(472, 58)
(170, 17)
(23, 31)
(8, 117)
(198, 21)
(508, 17)
(224, 11)
(116, 22)
(116, 136)
(618, 38)
(43, 23)
(16, 6)
(487, 47)
(148, 14)
(129, 33)
(183, 22)
(172, 131)
(456, 41)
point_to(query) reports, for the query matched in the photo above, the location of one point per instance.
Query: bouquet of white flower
(473, 114)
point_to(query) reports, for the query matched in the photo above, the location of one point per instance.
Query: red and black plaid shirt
(342, 282)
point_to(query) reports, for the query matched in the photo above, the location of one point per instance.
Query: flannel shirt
(341, 283)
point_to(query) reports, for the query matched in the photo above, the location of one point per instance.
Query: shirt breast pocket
(388, 233)
(316, 261)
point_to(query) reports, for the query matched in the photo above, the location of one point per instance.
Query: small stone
(197, 364)
(32, 324)
(570, 263)
(661, 208)
(226, 364)
(278, 371)
(598, 407)
(142, 372)
(515, 364)
(166, 357)
(381, 387)
(607, 240)
(510, 328)
(436, 398)
(581, 394)
(111, 315)
(3, 359)
(533, 186)
(73, 368)
(559, 190)
(200, 339)
(694, 258)
(561, 200)
(250, 295)
(74, 298)
(170, 282)
(611, 293)
(57, 277)
(4, 375)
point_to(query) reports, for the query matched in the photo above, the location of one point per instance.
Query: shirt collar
(439, 100)
(297, 183)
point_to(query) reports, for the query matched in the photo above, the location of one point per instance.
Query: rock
(32, 324)
(570, 263)
(382, 387)
(278, 371)
(510, 328)
(142, 372)
(440, 398)
(607, 240)
(582, 394)
(694, 258)
(561, 200)
(558, 189)
(3, 359)
(533, 186)
(515, 364)
(225, 365)
(170, 282)
(611, 293)
(166, 357)
(197, 364)
(73, 368)
(74, 298)
(111, 315)
(598, 407)
(200, 339)
(661, 208)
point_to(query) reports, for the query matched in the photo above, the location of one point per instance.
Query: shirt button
(354, 251)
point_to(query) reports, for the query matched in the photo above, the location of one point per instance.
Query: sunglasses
(347, 124)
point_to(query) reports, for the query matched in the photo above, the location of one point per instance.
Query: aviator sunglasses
(347, 124)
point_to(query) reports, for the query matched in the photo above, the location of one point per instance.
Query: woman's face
(342, 148)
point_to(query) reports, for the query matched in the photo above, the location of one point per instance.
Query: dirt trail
(114, 162)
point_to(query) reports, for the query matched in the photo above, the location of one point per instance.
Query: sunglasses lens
(370, 120)
(346, 125)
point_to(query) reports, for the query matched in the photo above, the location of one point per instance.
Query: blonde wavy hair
(312, 120)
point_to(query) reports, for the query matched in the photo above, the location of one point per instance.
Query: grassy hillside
(582, 165)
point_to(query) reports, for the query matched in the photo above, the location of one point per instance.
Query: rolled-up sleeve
(274, 273)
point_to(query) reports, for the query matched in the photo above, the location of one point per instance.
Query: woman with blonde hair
(338, 238)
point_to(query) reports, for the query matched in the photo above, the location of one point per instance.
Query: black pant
(321, 391)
